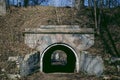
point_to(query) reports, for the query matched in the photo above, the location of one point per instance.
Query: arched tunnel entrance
(59, 57)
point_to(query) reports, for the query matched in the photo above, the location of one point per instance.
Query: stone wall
(2, 7)
(91, 64)
(78, 40)
(41, 38)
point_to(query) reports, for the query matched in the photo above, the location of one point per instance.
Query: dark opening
(66, 65)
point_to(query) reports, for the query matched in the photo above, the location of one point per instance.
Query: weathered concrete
(85, 62)
(13, 58)
(90, 64)
(2, 7)
(27, 64)
(59, 29)
(71, 36)
(40, 41)
(30, 64)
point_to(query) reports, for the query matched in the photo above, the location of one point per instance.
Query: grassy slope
(12, 25)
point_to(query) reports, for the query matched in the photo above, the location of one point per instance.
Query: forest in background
(89, 3)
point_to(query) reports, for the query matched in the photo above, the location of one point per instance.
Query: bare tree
(35, 2)
(79, 4)
(89, 3)
(95, 13)
(26, 3)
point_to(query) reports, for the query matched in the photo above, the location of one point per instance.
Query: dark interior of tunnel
(69, 67)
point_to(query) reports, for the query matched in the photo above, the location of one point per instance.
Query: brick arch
(71, 53)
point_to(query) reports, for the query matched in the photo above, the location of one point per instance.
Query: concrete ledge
(59, 29)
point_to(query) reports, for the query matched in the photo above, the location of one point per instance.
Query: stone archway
(72, 59)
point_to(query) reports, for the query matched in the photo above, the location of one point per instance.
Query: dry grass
(13, 24)
(70, 76)
(12, 40)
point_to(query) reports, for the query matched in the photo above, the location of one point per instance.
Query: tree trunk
(79, 4)
(95, 13)
(7, 4)
(35, 2)
(89, 3)
(82, 4)
(26, 3)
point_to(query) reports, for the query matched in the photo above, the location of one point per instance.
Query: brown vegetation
(13, 24)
